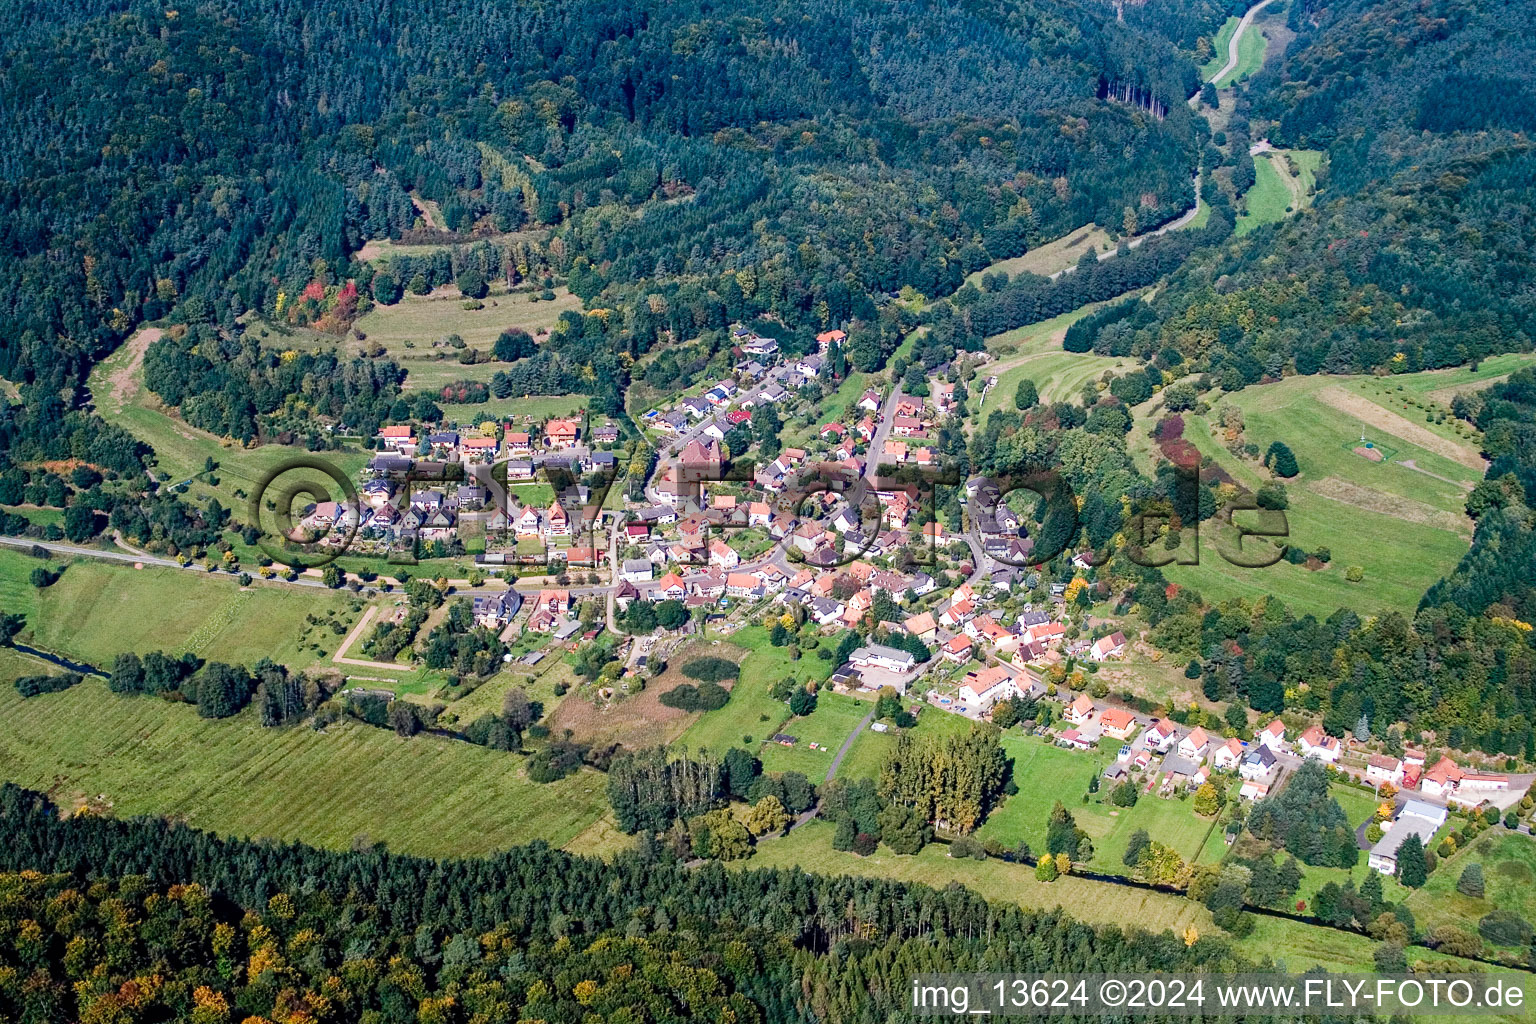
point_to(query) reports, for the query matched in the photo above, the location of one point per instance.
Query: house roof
(1197, 737)
(1082, 705)
(1117, 718)
(919, 624)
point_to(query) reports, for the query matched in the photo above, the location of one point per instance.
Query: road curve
(1237, 35)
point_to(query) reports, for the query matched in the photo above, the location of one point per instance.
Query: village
(835, 540)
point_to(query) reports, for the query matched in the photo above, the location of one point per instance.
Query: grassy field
(1035, 352)
(1509, 878)
(98, 609)
(412, 330)
(531, 409)
(1267, 201)
(136, 755)
(869, 751)
(1443, 386)
(833, 721)
(1219, 46)
(1251, 46)
(751, 712)
(1340, 500)
(1045, 774)
(810, 847)
(182, 451)
(1051, 257)
(1276, 191)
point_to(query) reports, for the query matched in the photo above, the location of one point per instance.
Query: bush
(711, 670)
(1354, 574)
(1505, 928)
(704, 697)
(31, 686)
(864, 844)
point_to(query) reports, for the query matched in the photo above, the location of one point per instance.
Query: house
(721, 554)
(922, 626)
(825, 610)
(957, 613)
(444, 444)
(1047, 633)
(560, 433)
(1117, 723)
(1193, 745)
(1416, 818)
(607, 433)
(1449, 780)
(826, 339)
(557, 522)
(399, 438)
(1272, 736)
(894, 451)
(879, 656)
(709, 583)
(907, 426)
(982, 689)
(1080, 710)
(1228, 756)
(518, 443)
(746, 585)
(670, 588)
(759, 513)
(870, 400)
(1258, 763)
(809, 367)
(1381, 769)
(1315, 743)
(1253, 789)
(1106, 647)
(494, 611)
(478, 449)
(958, 649)
(697, 408)
(637, 570)
(1077, 739)
(556, 602)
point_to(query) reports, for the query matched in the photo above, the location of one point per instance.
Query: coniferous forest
(114, 917)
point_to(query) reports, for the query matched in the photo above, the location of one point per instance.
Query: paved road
(1237, 36)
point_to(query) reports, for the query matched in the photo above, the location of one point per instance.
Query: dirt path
(1410, 464)
(125, 379)
(346, 645)
(1384, 419)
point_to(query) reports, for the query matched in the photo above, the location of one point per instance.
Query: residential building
(1416, 818)
(879, 656)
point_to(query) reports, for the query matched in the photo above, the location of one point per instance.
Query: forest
(97, 913)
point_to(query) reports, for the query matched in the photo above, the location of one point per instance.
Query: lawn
(751, 712)
(1219, 49)
(1268, 200)
(429, 796)
(412, 331)
(1050, 258)
(810, 847)
(1509, 879)
(1045, 774)
(1340, 500)
(98, 609)
(531, 409)
(834, 720)
(182, 451)
(869, 751)
(1251, 46)
(1034, 351)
